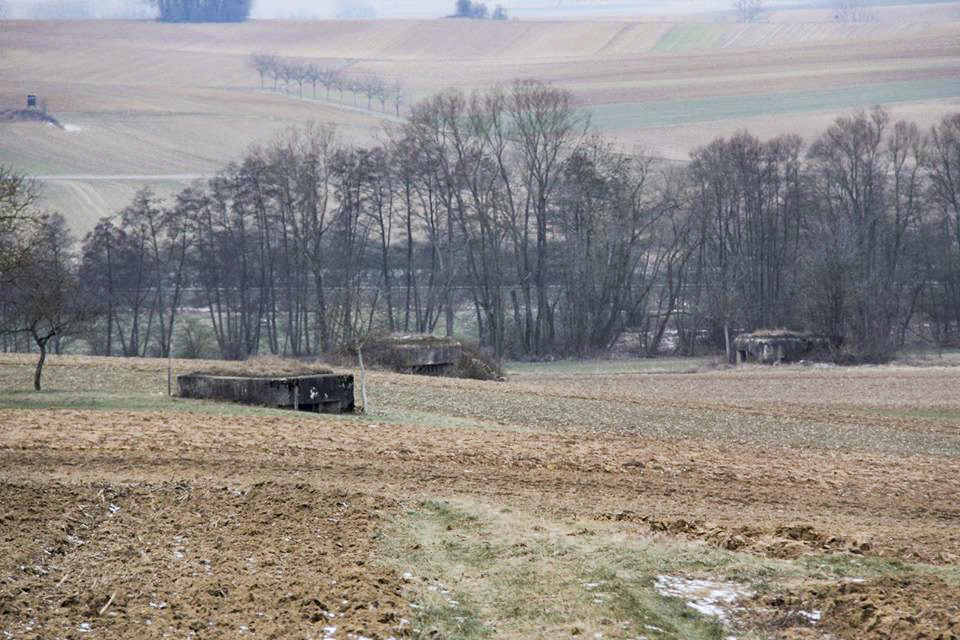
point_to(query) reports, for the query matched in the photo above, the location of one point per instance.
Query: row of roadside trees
(503, 206)
(295, 73)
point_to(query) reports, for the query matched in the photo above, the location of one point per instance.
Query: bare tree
(329, 78)
(312, 74)
(943, 163)
(851, 11)
(45, 299)
(19, 217)
(263, 63)
(396, 96)
(748, 10)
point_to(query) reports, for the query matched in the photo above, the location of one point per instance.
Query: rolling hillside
(156, 104)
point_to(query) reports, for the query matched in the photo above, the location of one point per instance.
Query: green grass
(683, 37)
(476, 571)
(118, 401)
(600, 366)
(661, 113)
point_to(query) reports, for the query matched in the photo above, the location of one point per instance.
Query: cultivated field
(151, 103)
(587, 500)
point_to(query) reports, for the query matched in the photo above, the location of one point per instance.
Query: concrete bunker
(781, 346)
(420, 354)
(319, 393)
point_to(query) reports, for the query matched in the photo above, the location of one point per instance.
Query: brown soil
(193, 558)
(704, 457)
(913, 607)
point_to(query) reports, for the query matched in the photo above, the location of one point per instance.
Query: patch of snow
(72, 128)
(113, 508)
(709, 597)
(85, 627)
(328, 632)
(158, 605)
(812, 616)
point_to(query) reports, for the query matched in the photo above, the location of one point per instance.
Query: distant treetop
(478, 10)
(203, 10)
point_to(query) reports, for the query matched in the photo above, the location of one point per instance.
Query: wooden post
(363, 380)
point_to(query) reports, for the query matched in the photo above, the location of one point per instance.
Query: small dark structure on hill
(321, 393)
(776, 347)
(31, 101)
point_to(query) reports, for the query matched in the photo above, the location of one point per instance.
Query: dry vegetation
(543, 506)
(263, 366)
(179, 100)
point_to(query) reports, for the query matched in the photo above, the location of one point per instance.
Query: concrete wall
(328, 393)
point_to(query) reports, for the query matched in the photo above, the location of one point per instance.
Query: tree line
(502, 211)
(478, 11)
(292, 71)
(202, 10)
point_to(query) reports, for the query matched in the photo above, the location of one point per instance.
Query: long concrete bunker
(321, 393)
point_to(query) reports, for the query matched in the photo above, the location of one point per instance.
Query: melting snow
(709, 597)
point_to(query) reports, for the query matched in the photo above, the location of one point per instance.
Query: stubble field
(793, 502)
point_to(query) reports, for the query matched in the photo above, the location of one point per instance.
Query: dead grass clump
(265, 367)
(477, 364)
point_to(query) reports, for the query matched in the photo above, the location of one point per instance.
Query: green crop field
(613, 117)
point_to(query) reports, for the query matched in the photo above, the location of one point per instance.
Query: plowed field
(183, 519)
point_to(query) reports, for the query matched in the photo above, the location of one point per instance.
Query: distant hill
(153, 104)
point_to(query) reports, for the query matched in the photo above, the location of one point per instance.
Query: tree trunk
(42, 343)
(726, 342)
